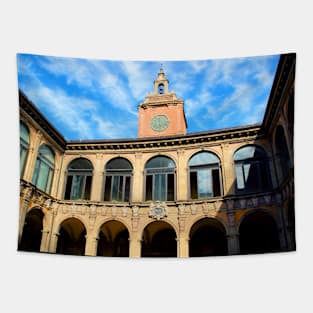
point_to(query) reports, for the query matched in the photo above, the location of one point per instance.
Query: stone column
(32, 157)
(181, 177)
(26, 195)
(53, 242)
(233, 243)
(44, 240)
(135, 248)
(232, 234)
(91, 245)
(183, 247)
(183, 239)
(137, 186)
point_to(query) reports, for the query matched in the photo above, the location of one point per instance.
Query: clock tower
(162, 113)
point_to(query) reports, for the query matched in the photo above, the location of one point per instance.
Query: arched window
(160, 179)
(204, 175)
(118, 174)
(24, 144)
(282, 153)
(252, 171)
(161, 89)
(44, 168)
(78, 180)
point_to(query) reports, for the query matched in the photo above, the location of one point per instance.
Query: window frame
(205, 166)
(159, 171)
(264, 182)
(41, 159)
(78, 172)
(24, 147)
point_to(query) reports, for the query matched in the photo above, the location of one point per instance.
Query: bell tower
(162, 113)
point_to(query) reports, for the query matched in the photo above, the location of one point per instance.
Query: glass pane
(149, 187)
(87, 188)
(216, 183)
(77, 187)
(205, 184)
(239, 177)
(159, 192)
(119, 163)
(46, 153)
(170, 187)
(23, 153)
(252, 176)
(36, 172)
(81, 164)
(50, 176)
(24, 132)
(203, 158)
(193, 185)
(116, 188)
(158, 162)
(68, 188)
(249, 152)
(43, 176)
(127, 188)
(107, 190)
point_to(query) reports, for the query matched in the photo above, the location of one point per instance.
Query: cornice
(285, 74)
(200, 138)
(29, 108)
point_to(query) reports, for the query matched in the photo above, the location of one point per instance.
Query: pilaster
(91, 245)
(137, 187)
(181, 177)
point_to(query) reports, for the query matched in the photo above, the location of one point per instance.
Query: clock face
(159, 122)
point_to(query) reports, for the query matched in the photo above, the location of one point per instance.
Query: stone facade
(97, 223)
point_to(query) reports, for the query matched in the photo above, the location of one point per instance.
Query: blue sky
(98, 99)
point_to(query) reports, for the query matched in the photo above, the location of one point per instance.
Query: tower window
(161, 89)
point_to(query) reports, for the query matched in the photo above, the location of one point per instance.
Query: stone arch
(72, 158)
(113, 239)
(159, 240)
(258, 233)
(207, 237)
(118, 157)
(72, 237)
(163, 154)
(203, 216)
(32, 230)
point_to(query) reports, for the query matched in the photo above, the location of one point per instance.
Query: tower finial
(161, 68)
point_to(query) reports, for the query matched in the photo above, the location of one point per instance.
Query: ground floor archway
(72, 237)
(258, 233)
(207, 238)
(159, 240)
(113, 240)
(32, 231)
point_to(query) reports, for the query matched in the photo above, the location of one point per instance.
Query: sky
(98, 99)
